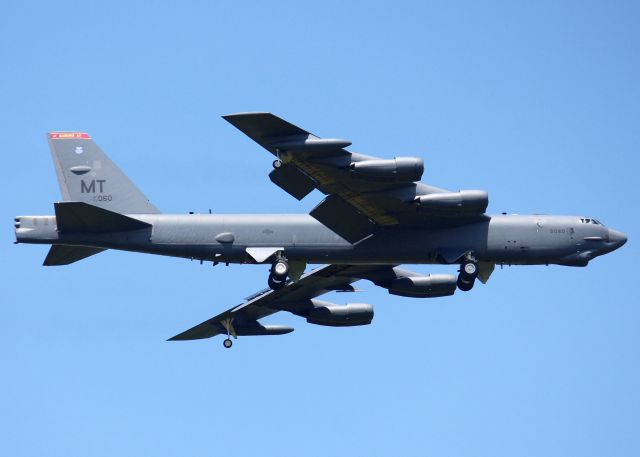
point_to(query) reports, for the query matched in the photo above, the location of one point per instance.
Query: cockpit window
(588, 220)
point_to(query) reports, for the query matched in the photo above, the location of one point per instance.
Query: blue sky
(536, 102)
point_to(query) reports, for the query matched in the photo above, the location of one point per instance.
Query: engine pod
(464, 201)
(423, 286)
(400, 169)
(348, 315)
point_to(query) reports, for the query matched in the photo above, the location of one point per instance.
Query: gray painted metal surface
(374, 218)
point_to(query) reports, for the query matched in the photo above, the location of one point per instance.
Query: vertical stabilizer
(86, 174)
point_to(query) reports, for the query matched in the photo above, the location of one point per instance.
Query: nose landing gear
(468, 274)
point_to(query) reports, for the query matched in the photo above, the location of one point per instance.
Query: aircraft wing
(363, 192)
(243, 319)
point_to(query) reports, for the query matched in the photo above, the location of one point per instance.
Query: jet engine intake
(400, 169)
(464, 201)
(424, 286)
(348, 315)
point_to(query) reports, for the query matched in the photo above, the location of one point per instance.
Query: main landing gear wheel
(280, 268)
(277, 163)
(470, 269)
(227, 343)
(278, 273)
(464, 284)
(468, 275)
(275, 284)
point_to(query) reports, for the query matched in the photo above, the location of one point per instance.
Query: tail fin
(86, 174)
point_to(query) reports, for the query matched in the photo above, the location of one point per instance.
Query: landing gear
(470, 269)
(275, 285)
(468, 274)
(465, 285)
(228, 326)
(278, 274)
(280, 268)
(277, 163)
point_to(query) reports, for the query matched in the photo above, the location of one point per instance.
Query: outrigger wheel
(227, 323)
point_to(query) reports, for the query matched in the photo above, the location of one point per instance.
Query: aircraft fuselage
(505, 239)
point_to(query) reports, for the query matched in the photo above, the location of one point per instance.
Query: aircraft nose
(616, 238)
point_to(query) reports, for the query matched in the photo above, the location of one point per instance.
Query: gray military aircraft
(376, 216)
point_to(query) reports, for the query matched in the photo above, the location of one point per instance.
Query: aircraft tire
(227, 343)
(469, 271)
(277, 163)
(465, 285)
(280, 269)
(275, 283)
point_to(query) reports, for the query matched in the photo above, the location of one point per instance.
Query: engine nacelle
(402, 169)
(464, 201)
(341, 315)
(423, 286)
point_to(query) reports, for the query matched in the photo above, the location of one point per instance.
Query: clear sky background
(536, 102)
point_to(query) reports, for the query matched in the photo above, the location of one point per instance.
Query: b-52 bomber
(376, 216)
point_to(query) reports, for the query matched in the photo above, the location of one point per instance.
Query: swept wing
(296, 297)
(363, 192)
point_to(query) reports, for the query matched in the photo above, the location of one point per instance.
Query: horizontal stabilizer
(83, 217)
(64, 255)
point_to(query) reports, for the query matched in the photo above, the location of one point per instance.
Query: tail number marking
(92, 186)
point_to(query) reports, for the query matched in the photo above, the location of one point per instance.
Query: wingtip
(245, 113)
